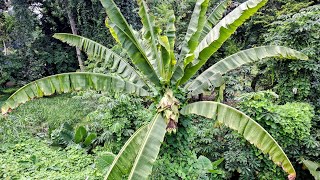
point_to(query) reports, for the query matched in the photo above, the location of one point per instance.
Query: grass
(38, 116)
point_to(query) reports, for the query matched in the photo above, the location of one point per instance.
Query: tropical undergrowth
(45, 138)
(29, 137)
(290, 124)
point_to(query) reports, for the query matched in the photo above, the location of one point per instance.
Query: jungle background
(37, 140)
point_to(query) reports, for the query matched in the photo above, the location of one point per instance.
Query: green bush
(297, 80)
(287, 123)
(10, 66)
(290, 124)
(241, 159)
(177, 159)
(115, 118)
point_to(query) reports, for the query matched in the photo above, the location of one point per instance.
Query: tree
(6, 27)
(159, 73)
(74, 29)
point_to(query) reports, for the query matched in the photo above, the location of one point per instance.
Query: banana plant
(155, 70)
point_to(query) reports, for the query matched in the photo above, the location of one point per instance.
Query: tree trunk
(75, 32)
(5, 50)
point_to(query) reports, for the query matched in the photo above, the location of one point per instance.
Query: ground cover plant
(157, 72)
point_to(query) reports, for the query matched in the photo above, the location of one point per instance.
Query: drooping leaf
(135, 159)
(118, 64)
(191, 40)
(313, 167)
(245, 126)
(214, 17)
(219, 34)
(149, 149)
(216, 80)
(69, 82)
(129, 42)
(104, 161)
(80, 135)
(208, 78)
(123, 162)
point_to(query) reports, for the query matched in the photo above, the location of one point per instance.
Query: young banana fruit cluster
(169, 106)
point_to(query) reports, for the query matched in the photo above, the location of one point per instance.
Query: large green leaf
(103, 162)
(80, 135)
(214, 17)
(204, 164)
(89, 139)
(245, 126)
(170, 33)
(150, 33)
(118, 64)
(149, 149)
(124, 34)
(191, 40)
(69, 82)
(219, 34)
(313, 167)
(165, 56)
(209, 79)
(123, 162)
(137, 156)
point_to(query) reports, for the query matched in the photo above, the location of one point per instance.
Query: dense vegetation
(39, 139)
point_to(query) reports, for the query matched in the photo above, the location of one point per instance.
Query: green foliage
(80, 134)
(43, 119)
(10, 65)
(113, 122)
(176, 158)
(291, 128)
(62, 136)
(295, 120)
(287, 123)
(33, 158)
(209, 166)
(290, 124)
(66, 135)
(297, 80)
(181, 9)
(103, 162)
(6, 27)
(240, 158)
(116, 117)
(44, 115)
(313, 167)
